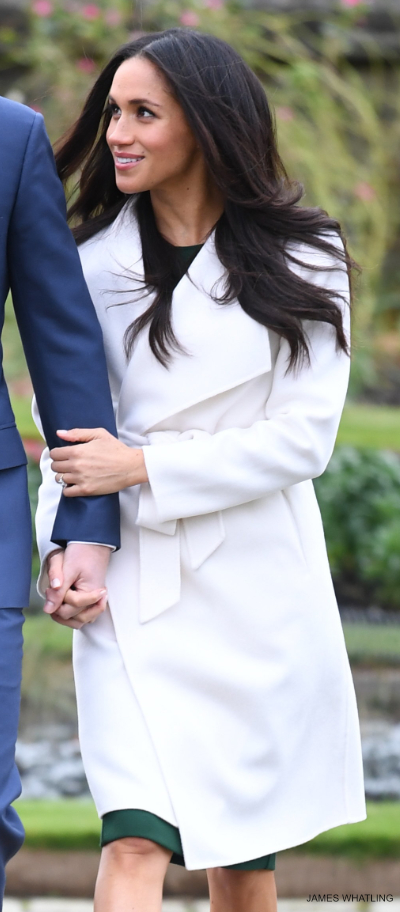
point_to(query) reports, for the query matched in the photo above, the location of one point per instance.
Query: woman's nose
(120, 132)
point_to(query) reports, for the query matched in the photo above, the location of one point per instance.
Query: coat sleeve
(292, 444)
(48, 502)
(59, 329)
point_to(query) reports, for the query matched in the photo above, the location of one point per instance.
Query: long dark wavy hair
(226, 107)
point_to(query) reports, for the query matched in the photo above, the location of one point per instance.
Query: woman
(217, 713)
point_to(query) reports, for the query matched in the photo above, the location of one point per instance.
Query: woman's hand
(102, 465)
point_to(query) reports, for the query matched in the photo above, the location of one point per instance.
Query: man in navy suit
(63, 345)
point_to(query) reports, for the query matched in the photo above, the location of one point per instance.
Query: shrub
(359, 497)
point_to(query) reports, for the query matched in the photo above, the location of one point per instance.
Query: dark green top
(183, 257)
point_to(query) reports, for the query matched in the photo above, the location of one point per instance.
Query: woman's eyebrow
(139, 101)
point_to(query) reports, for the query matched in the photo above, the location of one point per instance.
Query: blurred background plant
(338, 121)
(359, 497)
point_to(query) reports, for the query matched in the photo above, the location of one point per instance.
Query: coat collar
(222, 346)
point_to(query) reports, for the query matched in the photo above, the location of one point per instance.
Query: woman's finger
(69, 478)
(83, 435)
(76, 490)
(88, 615)
(73, 623)
(79, 599)
(67, 612)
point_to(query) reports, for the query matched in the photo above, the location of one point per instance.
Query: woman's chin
(127, 183)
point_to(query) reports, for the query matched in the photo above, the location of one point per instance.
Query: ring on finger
(60, 480)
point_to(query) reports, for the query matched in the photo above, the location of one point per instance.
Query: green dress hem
(135, 822)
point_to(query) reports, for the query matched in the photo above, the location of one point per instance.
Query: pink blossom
(364, 191)
(188, 17)
(283, 112)
(86, 65)
(34, 448)
(214, 4)
(113, 17)
(90, 11)
(350, 3)
(42, 8)
(35, 107)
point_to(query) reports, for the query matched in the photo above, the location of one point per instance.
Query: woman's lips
(124, 163)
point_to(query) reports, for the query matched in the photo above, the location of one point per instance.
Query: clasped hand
(98, 463)
(77, 593)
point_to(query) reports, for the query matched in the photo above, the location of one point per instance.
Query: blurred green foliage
(359, 497)
(338, 130)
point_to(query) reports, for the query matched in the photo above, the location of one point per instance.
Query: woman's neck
(187, 212)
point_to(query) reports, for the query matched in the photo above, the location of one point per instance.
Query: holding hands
(95, 463)
(77, 592)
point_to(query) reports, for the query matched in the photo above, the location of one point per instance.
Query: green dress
(136, 822)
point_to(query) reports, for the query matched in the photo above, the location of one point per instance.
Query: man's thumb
(55, 569)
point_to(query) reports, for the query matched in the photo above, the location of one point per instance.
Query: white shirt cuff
(102, 544)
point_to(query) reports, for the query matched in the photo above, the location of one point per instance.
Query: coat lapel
(222, 348)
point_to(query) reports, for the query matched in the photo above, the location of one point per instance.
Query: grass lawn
(25, 424)
(376, 837)
(366, 643)
(362, 425)
(72, 824)
(68, 824)
(372, 426)
(372, 644)
(46, 637)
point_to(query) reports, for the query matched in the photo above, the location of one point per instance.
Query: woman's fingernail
(55, 583)
(48, 607)
(102, 591)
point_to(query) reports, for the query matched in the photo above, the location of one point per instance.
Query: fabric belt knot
(160, 542)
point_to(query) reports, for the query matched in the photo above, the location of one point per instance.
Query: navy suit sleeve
(60, 332)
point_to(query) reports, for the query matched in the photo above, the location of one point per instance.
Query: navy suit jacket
(62, 341)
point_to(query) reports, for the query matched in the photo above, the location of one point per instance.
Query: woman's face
(151, 143)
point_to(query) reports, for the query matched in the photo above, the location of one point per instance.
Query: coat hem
(260, 852)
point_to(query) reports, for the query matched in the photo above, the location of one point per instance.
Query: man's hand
(84, 567)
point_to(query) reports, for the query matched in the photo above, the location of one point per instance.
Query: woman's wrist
(137, 473)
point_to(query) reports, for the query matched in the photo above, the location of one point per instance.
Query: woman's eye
(145, 113)
(113, 109)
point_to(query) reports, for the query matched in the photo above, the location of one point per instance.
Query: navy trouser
(11, 829)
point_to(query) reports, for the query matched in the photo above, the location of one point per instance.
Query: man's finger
(54, 599)
(55, 569)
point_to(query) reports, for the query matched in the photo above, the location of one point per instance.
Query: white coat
(216, 691)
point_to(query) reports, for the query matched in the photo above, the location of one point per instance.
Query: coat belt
(160, 542)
